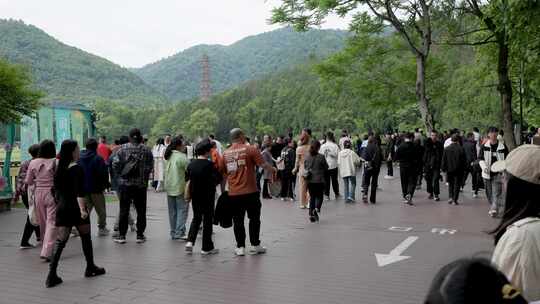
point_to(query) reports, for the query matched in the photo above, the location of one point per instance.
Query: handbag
(187, 192)
(32, 213)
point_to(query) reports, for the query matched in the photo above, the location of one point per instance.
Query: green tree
(513, 28)
(201, 123)
(17, 97)
(412, 20)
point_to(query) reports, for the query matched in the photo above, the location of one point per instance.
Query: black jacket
(224, 212)
(373, 154)
(96, 175)
(433, 155)
(390, 149)
(454, 159)
(471, 154)
(407, 155)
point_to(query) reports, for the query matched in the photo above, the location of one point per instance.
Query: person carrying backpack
(133, 165)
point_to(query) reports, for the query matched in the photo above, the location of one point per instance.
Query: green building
(56, 122)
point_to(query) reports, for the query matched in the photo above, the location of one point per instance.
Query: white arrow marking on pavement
(443, 231)
(395, 255)
(400, 229)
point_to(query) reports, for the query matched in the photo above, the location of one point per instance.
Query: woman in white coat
(517, 252)
(158, 151)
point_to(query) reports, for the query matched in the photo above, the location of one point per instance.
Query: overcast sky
(133, 33)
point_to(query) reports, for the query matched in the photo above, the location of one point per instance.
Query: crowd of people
(61, 189)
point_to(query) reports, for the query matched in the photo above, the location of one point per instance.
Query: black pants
(432, 181)
(28, 227)
(476, 179)
(371, 176)
(331, 176)
(408, 177)
(287, 185)
(203, 212)
(315, 196)
(266, 192)
(258, 175)
(390, 166)
(137, 196)
(250, 204)
(454, 184)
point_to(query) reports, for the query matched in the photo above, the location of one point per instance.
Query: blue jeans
(350, 187)
(178, 214)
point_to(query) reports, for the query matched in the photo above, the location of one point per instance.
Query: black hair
(66, 157)
(203, 147)
(314, 147)
(471, 281)
(103, 137)
(160, 141)
(493, 130)
(135, 136)
(470, 135)
(33, 150)
(475, 129)
(91, 144)
(308, 131)
(47, 149)
(175, 143)
(123, 140)
(521, 202)
(211, 136)
(330, 136)
(455, 138)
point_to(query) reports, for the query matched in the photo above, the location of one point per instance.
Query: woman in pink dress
(41, 175)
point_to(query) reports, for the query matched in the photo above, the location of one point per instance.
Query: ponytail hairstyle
(175, 144)
(66, 157)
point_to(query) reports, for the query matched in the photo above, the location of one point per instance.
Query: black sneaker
(141, 239)
(120, 240)
(408, 200)
(94, 271)
(430, 197)
(437, 198)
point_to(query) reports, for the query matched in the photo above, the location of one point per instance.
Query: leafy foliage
(179, 76)
(66, 73)
(17, 97)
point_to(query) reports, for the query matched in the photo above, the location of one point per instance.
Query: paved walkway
(329, 262)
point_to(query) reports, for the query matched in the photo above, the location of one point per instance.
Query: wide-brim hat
(523, 163)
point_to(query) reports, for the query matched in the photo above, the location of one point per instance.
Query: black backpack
(132, 166)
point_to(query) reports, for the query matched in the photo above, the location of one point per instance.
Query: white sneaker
(240, 251)
(257, 250)
(213, 251)
(189, 247)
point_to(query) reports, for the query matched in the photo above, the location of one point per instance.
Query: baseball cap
(523, 163)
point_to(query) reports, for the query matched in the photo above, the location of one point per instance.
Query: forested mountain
(66, 73)
(179, 76)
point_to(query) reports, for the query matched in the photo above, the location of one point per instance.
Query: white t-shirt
(330, 150)
(447, 142)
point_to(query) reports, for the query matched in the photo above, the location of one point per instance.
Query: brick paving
(329, 262)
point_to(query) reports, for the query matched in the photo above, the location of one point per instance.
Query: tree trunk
(421, 97)
(505, 90)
